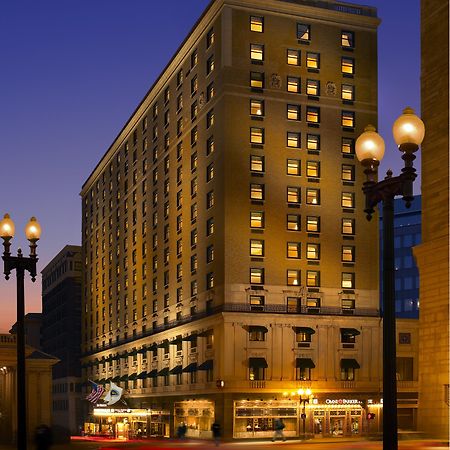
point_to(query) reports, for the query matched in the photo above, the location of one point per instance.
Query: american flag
(97, 392)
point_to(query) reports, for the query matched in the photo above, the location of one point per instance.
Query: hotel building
(228, 259)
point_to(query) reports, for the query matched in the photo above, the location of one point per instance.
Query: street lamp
(305, 395)
(20, 264)
(408, 131)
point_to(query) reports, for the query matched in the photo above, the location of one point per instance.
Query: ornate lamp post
(20, 264)
(304, 397)
(408, 132)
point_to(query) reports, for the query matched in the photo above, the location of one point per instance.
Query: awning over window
(153, 346)
(304, 363)
(350, 332)
(176, 341)
(143, 350)
(191, 337)
(207, 365)
(306, 330)
(116, 357)
(163, 372)
(133, 352)
(102, 381)
(258, 363)
(152, 374)
(133, 376)
(257, 329)
(124, 378)
(164, 343)
(176, 370)
(124, 355)
(115, 379)
(349, 364)
(142, 376)
(190, 368)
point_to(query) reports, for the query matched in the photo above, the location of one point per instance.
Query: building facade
(228, 259)
(433, 254)
(61, 334)
(33, 324)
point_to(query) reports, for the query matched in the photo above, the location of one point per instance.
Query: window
(209, 199)
(405, 368)
(294, 304)
(303, 32)
(348, 92)
(256, 219)
(180, 78)
(348, 226)
(293, 277)
(194, 85)
(210, 146)
(293, 139)
(210, 38)
(313, 142)
(348, 253)
(303, 373)
(166, 95)
(293, 57)
(294, 250)
(210, 119)
(312, 196)
(293, 194)
(313, 224)
(210, 254)
(348, 303)
(293, 222)
(293, 167)
(210, 172)
(404, 338)
(347, 39)
(312, 278)
(256, 275)
(348, 119)
(348, 199)
(348, 172)
(194, 110)
(293, 84)
(347, 66)
(194, 288)
(257, 135)
(256, 53)
(293, 112)
(194, 187)
(312, 302)
(194, 136)
(179, 126)
(257, 80)
(256, 247)
(257, 24)
(210, 65)
(210, 92)
(194, 212)
(209, 280)
(313, 169)
(257, 163)
(313, 114)
(313, 87)
(257, 334)
(256, 302)
(348, 280)
(257, 191)
(256, 107)
(210, 226)
(348, 146)
(194, 58)
(166, 118)
(347, 373)
(313, 60)
(313, 251)
(257, 373)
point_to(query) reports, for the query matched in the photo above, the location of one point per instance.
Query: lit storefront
(197, 415)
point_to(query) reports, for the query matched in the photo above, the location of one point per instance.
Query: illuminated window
(194, 187)
(293, 277)
(347, 65)
(210, 65)
(257, 80)
(166, 95)
(210, 37)
(348, 253)
(312, 196)
(293, 84)
(256, 275)
(210, 172)
(293, 112)
(209, 199)
(313, 169)
(194, 162)
(257, 52)
(348, 39)
(210, 280)
(348, 172)
(293, 139)
(194, 110)
(257, 302)
(179, 126)
(293, 194)
(257, 191)
(210, 145)
(209, 254)
(313, 224)
(256, 107)
(194, 85)
(257, 334)
(180, 78)
(210, 226)
(348, 303)
(348, 146)
(313, 251)
(293, 222)
(348, 119)
(303, 32)
(348, 200)
(256, 247)
(293, 250)
(348, 226)
(312, 114)
(293, 167)
(293, 57)
(313, 142)
(257, 24)
(312, 278)
(194, 237)
(257, 135)
(210, 92)
(257, 163)
(348, 280)
(210, 119)
(313, 87)
(256, 219)
(348, 92)
(312, 302)
(194, 58)
(313, 60)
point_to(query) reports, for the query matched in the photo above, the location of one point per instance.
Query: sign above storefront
(343, 401)
(121, 412)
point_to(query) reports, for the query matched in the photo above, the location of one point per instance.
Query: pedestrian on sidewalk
(215, 428)
(43, 437)
(278, 426)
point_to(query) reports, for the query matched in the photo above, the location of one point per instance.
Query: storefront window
(197, 415)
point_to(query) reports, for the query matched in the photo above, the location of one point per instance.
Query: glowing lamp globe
(33, 230)
(7, 227)
(370, 145)
(408, 129)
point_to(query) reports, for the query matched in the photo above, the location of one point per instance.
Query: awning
(153, 346)
(124, 355)
(102, 381)
(115, 379)
(116, 357)
(133, 352)
(349, 364)
(190, 368)
(124, 378)
(164, 343)
(142, 376)
(205, 333)
(143, 350)
(305, 330)
(163, 372)
(176, 370)
(176, 341)
(350, 332)
(304, 363)
(207, 365)
(257, 329)
(191, 337)
(133, 376)
(152, 374)
(259, 363)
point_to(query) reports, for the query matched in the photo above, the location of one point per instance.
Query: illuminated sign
(121, 412)
(343, 401)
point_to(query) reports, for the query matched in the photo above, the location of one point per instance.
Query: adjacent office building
(61, 328)
(228, 259)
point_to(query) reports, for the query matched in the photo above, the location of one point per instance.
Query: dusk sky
(72, 72)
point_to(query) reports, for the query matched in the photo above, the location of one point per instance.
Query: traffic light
(370, 416)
